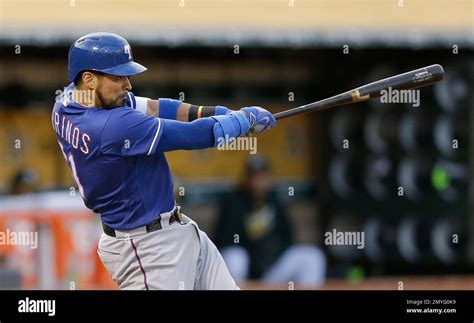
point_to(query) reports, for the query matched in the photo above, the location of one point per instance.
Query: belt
(176, 216)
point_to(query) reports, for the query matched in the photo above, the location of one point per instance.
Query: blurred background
(399, 174)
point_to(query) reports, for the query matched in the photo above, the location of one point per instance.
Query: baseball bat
(406, 81)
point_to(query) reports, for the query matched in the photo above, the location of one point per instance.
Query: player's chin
(120, 102)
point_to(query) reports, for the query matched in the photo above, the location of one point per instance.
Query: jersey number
(72, 166)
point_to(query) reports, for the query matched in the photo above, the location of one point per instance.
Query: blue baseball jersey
(113, 158)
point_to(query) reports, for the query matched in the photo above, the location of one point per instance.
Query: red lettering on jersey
(71, 133)
(68, 131)
(84, 147)
(75, 137)
(56, 122)
(62, 127)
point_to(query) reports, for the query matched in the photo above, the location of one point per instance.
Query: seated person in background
(255, 236)
(24, 181)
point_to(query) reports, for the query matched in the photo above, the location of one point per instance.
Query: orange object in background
(19, 256)
(77, 264)
(66, 234)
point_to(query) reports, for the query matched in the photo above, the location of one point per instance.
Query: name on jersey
(71, 133)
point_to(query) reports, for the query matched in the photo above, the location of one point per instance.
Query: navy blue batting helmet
(104, 52)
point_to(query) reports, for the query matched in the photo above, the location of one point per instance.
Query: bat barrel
(409, 80)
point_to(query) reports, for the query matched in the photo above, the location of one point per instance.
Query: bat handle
(282, 114)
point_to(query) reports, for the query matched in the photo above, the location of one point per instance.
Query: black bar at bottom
(403, 306)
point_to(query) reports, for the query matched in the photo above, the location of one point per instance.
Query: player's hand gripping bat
(406, 81)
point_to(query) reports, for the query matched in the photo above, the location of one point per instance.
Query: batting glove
(259, 119)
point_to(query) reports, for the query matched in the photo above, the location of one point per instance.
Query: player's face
(260, 183)
(112, 90)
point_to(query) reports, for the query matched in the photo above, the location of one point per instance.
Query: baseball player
(114, 144)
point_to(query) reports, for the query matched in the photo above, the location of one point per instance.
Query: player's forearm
(202, 133)
(181, 111)
(190, 112)
(194, 135)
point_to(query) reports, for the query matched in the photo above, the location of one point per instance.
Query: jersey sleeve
(128, 132)
(168, 108)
